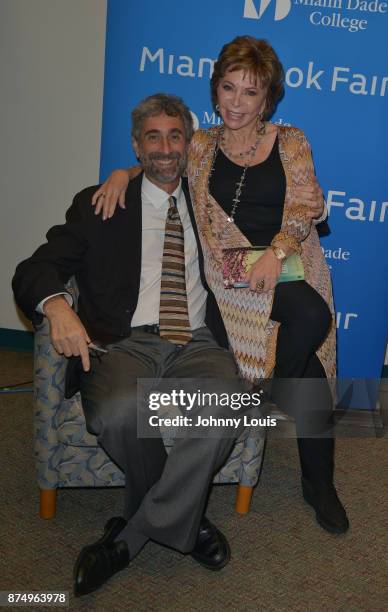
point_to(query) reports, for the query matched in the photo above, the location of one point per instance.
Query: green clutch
(238, 261)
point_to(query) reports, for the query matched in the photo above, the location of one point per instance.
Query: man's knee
(219, 363)
(115, 413)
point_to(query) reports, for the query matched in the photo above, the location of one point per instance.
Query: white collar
(158, 197)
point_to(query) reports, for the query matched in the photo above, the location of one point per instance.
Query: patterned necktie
(174, 324)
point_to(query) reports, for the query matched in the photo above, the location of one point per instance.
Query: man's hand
(68, 335)
(311, 196)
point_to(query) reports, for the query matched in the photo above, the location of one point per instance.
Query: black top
(259, 213)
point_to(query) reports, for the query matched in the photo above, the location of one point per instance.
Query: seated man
(142, 296)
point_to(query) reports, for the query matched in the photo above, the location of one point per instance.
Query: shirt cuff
(67, 296)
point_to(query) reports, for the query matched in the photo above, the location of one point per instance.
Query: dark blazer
(105, 258)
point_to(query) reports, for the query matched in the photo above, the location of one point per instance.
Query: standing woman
(244, 177)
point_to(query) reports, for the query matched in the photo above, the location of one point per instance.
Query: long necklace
(249, 155)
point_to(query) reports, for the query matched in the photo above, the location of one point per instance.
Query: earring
(217, 107)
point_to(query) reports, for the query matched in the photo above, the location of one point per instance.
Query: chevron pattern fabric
(174, 324)
(251, 333)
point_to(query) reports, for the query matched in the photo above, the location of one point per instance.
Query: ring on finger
(260, 285)
(102, 195)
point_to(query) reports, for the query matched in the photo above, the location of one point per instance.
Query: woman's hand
(311, 196)
(111, 193)
(265, 272)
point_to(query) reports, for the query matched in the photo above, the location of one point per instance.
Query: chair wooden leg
(243, 499)
(48, 503)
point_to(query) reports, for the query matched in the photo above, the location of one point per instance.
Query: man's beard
(164, 175)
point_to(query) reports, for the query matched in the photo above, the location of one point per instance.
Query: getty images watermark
(283, 408)
(188, 401)
(198, 408)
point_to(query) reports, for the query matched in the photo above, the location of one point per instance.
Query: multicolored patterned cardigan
(252, 335)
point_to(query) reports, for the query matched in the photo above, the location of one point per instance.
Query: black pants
(305, 321)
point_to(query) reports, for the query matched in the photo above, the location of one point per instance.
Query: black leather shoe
(211, 549)
(97, 562)
(114, 526)
(329, 511)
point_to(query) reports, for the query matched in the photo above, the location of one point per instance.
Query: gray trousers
(165, 495)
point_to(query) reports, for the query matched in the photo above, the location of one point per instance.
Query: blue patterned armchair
(67, 455)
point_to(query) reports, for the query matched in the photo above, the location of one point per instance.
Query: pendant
(230, 219)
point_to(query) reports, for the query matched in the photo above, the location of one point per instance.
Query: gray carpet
(282, 560)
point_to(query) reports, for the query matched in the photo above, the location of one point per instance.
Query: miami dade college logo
(195, 120)
(282, 8)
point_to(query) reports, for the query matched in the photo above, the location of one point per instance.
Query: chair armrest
(49, 377)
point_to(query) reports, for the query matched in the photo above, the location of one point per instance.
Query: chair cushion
(71, 424)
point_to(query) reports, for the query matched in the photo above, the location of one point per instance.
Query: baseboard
(16, 339)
